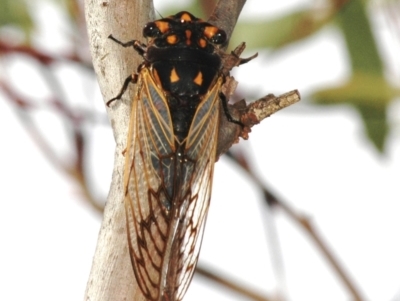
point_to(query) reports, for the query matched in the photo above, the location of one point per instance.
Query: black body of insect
(171, 150)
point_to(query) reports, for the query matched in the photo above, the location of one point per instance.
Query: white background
(317, 159)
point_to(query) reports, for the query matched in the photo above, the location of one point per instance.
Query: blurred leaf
(15, 13)
(368, 89)
(353, 22)
(279, 32)
(363, 89)
(376, 125)
(370, 95)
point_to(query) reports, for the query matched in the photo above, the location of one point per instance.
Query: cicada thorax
(182, 57)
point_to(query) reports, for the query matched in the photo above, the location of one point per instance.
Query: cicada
(171, 150)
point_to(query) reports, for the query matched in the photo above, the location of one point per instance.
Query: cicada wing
(200, 152)
(148, 172)
(166, 222)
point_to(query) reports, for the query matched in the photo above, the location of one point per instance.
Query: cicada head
(183, 30)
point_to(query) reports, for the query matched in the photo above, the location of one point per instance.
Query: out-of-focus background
(334, 157)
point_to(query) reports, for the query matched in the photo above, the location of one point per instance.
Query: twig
(200, 271)
(75, 171)
(41, 57)
(30, 126)
(305, 223)
(251, 115)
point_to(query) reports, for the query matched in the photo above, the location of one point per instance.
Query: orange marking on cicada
(173, 76)
(172, 39)
(202, 43)
(188, 34)
(198, 79)
(162, 26)
(210, 31)
(186, 17)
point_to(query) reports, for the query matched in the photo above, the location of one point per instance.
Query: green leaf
(368, 89)
(370, 95)
(15, 13)
(362, 89)
(353, 22)
(376, 125)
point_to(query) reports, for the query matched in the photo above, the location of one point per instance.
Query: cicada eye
(151, 30)
(219, 37)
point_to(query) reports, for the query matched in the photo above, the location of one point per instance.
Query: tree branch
(111, 277)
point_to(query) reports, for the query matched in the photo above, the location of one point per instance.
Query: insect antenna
(161, 16)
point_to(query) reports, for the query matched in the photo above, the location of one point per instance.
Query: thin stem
(221, 280)
(305, 223)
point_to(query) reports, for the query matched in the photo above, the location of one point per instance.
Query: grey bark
(111, 277)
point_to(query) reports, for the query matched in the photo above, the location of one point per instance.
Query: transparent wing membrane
(165, 214)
